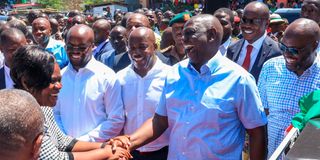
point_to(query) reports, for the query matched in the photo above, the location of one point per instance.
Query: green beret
(180, 18)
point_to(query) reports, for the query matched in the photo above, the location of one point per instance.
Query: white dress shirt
(89, 105)
(141, 96)
(1, 59)
(224, 47)
(255, 51)
(9, 82)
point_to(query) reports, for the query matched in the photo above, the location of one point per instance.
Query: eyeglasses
(284, 48)
(79, 49)
(256, 21)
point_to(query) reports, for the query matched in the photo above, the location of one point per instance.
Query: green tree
(56, 4)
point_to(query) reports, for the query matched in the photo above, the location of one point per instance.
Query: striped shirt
(280, 91)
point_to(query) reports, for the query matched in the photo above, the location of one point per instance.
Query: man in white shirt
(10, 39)
(89, 105)
(142, 84)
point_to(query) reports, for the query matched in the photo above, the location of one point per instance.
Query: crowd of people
(153, 85)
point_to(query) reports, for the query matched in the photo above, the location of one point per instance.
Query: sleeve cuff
(71, 145)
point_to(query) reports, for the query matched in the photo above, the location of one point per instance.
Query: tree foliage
(56, 4)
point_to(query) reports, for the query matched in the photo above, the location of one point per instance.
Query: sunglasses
(256, 21)
(284, 48)
(79, 49)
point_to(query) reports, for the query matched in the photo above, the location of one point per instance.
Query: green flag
(23, 1)
(309, 110)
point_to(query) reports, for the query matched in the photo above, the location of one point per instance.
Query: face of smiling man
(298, 45)
(255, 21)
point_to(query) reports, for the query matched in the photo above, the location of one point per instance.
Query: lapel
(263, 53)
(2, 79)
(236, 50)
(98, 54)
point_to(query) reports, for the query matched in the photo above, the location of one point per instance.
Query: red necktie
(246, 62)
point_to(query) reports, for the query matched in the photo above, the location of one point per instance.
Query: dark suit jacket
(2, 78)
(105, 48)
(269, 49)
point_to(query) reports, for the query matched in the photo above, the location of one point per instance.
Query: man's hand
(120, 141)
(120, 154)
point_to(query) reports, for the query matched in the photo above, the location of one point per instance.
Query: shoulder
(166, 51)
(236, 44)
(122, 74)
(276, 63)
(102, 69)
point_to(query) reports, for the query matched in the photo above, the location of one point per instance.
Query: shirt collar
(225, 46)
(6, 69)
(211, 65)
(101, 45)
(258, 43)
(90, 66)
(154, 69)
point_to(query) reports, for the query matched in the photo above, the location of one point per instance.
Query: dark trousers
(161, 154)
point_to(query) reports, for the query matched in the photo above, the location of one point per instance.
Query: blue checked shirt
(280, 91)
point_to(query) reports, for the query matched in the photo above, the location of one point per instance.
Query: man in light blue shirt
(207, 104)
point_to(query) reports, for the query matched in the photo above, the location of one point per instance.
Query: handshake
(120, 147)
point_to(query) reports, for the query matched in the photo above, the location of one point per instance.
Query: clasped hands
(119, 145)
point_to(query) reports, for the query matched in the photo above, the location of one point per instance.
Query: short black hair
(34, 65)
(227, 11)
(21, 120)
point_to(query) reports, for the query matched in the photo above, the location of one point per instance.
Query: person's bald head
(143, 32)
(54, 25)
(303, 36)
(142, 46)
(21, 125)
(136, 20)
(78, 19)
(11, 39)
(166, 38)
(202, 36)
(303, 27)
(81, 31)
(258, 8)
(80, 39)
(311, 10)
(101, 30)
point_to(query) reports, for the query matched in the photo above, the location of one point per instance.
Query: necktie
(246, 62)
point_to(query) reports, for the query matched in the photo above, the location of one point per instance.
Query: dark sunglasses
(284, 48)
(256, 21)
(80, 48)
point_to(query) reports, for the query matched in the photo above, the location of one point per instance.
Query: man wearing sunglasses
(255, 47)
(285, 79)
(89, 105)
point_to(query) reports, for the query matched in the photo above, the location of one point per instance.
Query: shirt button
(187, 122)
(183, 153)
(184, 138)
